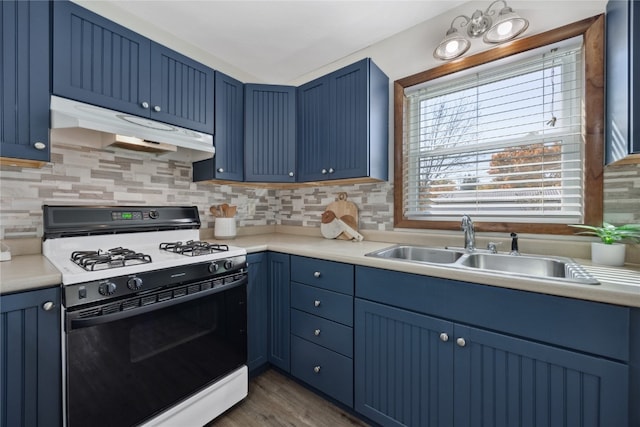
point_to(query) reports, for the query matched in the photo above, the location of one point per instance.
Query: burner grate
(112, 258)
(193, 248)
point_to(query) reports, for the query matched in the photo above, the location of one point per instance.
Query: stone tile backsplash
(83, 175)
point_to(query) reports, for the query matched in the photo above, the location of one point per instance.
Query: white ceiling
(278, 41)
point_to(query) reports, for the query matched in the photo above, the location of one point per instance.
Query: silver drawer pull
(48, 306)
(316, 303)
(316, 332)
(444, 337)
(316, 369)
(461, 342)
(316, 274)
(157, 109)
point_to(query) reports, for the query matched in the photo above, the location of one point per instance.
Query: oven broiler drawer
(149, 301)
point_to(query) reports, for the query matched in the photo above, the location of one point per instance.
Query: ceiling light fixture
(508, 25)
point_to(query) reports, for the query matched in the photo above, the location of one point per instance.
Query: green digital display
(127, 215)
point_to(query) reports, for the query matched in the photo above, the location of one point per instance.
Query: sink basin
(418, 254)
(545, 267)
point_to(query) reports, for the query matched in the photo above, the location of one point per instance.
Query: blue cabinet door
(313, 130)
(270, 133)
(622, 126)
(505, 381)
(257, 311)
(228, 163)
(99, 62)
(279, 305)
(403, 366)
(343, 124)
(24, 70)
(181, 90)
(30, 359)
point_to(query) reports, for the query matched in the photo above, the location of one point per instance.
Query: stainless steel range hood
(132, 132)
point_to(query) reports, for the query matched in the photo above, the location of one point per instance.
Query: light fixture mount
(508, 25)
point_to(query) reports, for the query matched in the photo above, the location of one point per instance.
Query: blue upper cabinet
(270, 133)
(343, 124)
(228, 163)
(100, 62)
(24, 70)
(622, 129)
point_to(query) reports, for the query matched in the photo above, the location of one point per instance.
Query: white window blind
(502, 144)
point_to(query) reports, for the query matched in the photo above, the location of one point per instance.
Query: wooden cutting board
(346, 211)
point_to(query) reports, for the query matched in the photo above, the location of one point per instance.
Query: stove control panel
(128, 285)
(134, 215)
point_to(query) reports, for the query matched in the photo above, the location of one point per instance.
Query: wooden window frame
(592, 31)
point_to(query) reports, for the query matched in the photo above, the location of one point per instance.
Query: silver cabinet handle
(316, 369)
(444, 337)
(324, 171)
(316, 303)
(461, 342)
(316, 332)
(48, 306)
(38, 145)
(316, 274)
(220, 170)
(331, 170)
(144, 104)
(157, 109)
(290, 173)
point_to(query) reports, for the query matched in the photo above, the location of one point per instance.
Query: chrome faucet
(469, 233)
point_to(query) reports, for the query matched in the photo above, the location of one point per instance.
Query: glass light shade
(451, 46)
(507, 26)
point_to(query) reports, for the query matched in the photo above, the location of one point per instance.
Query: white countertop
(619, 286)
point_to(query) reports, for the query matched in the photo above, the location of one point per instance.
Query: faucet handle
(493, 247)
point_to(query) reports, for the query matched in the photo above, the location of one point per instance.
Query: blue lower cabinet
(506, 381)
(412, 369)
(279, 324)
(403, 366)
(30, 359)
(257, 311)
(323, 369)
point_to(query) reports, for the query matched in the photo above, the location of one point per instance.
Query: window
(504, 141)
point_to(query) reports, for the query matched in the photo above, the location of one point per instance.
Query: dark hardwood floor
(275, 400)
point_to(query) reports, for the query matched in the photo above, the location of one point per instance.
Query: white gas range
(154, 320)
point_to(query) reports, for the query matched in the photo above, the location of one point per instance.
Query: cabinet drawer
(320, 302)
(328, 371)
(332, 335)
(330, 275)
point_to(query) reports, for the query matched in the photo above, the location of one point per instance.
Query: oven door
(126, 367)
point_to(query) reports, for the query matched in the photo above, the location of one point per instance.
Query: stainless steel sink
(533, 266)
(418, 254)
(546, 267)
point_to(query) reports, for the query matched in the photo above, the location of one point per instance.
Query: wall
(113, 176)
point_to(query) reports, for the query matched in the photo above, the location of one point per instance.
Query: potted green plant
(609, 251)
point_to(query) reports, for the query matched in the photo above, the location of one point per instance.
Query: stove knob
(134, 283)
(107, 288)
(213, 267)
(153, 214)
(228, 264)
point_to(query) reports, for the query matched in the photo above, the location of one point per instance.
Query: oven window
(126, 371)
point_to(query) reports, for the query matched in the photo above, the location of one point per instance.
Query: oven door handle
(74, 324)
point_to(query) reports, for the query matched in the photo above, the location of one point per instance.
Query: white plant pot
(612, 255)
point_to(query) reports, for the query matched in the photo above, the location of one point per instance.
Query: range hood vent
(131, 132)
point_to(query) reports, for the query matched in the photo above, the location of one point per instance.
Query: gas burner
(193, 248)
(112, 258)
